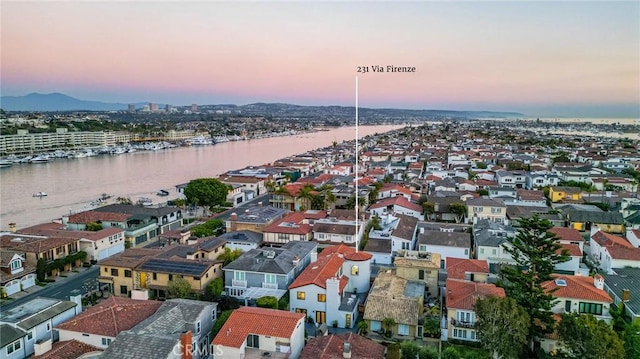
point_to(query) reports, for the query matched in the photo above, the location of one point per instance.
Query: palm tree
(306, 194)
(388, 324)
(363, 327)
(429, 210)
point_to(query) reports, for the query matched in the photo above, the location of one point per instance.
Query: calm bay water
(71, 184)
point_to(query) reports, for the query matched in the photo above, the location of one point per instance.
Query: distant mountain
(62, 102)
(55, 102)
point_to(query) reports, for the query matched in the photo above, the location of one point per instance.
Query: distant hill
(62, 102)
(55, 102)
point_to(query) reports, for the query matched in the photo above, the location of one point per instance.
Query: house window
(106, 269)
(270, 278)
(590, 308)
(213, 315)
(48, 327)
(403, 329)
(30, 335)
(15, 346)
(301, 295)
(124, 289)
(567, 306)
(481, 250)
(237, 275)
(198, 327)
(170, 276)
(127, 273)
(301, 310)
(15, 265)
(106, 341)
(253, 341)
(155, 276)
(421, 274)
(493, 251)
(477, 209)
(496, 210)
(347, 321)
(114, 272)
(354, 270)
(321, 297)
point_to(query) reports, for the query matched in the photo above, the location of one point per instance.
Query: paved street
(62, 288)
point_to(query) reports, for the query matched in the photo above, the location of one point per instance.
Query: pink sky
(510, 56)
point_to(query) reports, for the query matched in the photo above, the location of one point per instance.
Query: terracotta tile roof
(95, 216)
(331, 347)
(58, 230)
(318, 272)
(397, 201)
(567, 234)
(260, 321)
(578, 287)
(131, 257)
(33, 244)
(572, 249)
(457, 267)
(605, 239)
(463, 294)
(71, 349)
(291, 224)
(622, 252)
(111, 316)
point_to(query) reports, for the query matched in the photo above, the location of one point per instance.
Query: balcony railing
(463, 324)
(270, 285)
(239, 283)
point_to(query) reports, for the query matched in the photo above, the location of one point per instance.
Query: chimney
(314, 255)
(233, 219)
(626, 295)
(12, 227)
(260, 204)
(346, 350)
(598, 281)
(186, 345)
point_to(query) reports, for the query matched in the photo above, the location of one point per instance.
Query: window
(567, 306)
(493, 251)
(403, 329)
(114, 272)
(481, 250)
(127, 273)
(155, 276)
(495, 210)
(590, 308)
(466, 252)
(13, 347)
(170, 276)
(421, 274)
(301, 295)
(347, 321)
(321, 297)
(253, 341)
(354, 270)
(15, 265)
(29, 335)
(270, 278)
(301, 310)
(213, 315)
(237, 275)
(124, 289)
(106, 270)
(48, 327)
(477, 209)
(198, 327)
(106, 341)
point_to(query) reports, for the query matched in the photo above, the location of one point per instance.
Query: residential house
(398, 229)
(633, 236)
(380, 250)
(623, 286)
(441, 207)
(254, 218)
(180, 328)
(540, 180)
(419, 266)
(393, 190)
(513, 179)
(565, 194)
(99, 325)
(267, 271)
(473, 270)
(48, 248)
(327, 290)
(15, 273)
(167, 218)
(579, 294)
(294, 226)
(139, 229)
(399, 299)
(572, 242)
(251, 332)
(489, 240)
(461, 297)
(250, 186)
(485, 208)
(609, 251)
(97, 244)
(340, 346)
(584, 217)
(36, 319)
(336, 230)
(12, 342)
(243, 240)
(447, 240)
(70, 349)
(502, 193)
(398, 205)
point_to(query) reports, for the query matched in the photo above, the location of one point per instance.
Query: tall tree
(535, 252)
(206, 192)
(229, 255)
(306, 194)
(179, 288)
(429, 210)
(503, 326)
(459, 210)
(631, 338)
(586, 337)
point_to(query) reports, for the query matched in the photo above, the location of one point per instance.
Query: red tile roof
(331, 347)
(291, 224)
(463, 294)
(578, 287)
(605, 239)
(319, 271)
(457, 267)
(567, 234)
(58, 230)
(31, 244)
(95, 216)
(71, 349)
(260, 321)
(624, 253)
(572, 249)
(396, 201)
(111, 316)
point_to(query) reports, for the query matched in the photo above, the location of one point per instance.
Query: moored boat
(40, 194)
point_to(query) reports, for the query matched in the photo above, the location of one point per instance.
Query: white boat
(144, 201)
(200, 141)
(5, 163)
(40, 159)
(40, 194)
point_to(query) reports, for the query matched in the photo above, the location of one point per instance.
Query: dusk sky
(544, 59)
